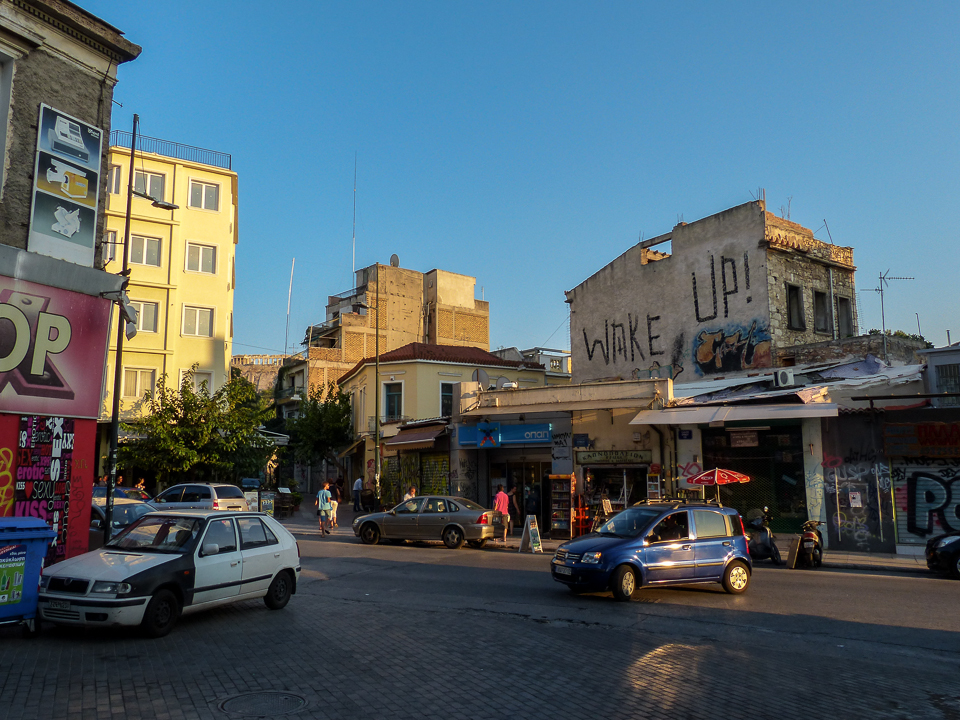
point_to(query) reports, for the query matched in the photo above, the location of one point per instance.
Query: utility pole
(884, 277)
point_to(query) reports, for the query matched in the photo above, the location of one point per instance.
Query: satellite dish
(501, 381)
(394, 260)
(480, 376)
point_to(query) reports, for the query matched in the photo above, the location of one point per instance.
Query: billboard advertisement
(66, 188)
(53, 346)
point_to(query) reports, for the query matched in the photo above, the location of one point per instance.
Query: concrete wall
(900, 351)
(701, 310)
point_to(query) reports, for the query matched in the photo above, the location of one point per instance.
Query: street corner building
(57, 72)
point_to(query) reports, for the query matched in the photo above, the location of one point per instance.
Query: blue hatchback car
(665, 543)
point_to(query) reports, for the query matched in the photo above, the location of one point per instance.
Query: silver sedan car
(453, 520)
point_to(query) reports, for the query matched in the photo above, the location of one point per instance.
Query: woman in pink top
(501, 503)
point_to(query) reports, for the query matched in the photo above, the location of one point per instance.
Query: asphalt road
(419, 631)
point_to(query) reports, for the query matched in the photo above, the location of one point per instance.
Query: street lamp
(122, 332)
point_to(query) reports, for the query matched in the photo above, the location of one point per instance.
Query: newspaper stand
(23, 547)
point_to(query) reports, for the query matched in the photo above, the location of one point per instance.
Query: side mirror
(393, 512)
(96, 524)
(210, 549)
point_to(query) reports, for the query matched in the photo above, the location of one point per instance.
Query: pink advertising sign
(53, 346)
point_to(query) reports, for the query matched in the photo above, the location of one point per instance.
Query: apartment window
(948, 380)
(198, 321)
(393, 400)
(109, 246)
(845, 317)
(202, 382)
(231, 325)
(446, 399)
(113, 180)
(201, 258)
(146, 315)
(821, 312)
(144, 251)
(204, 195)
(149, 183)
(233, 272)
(137, 381)
(795, 319)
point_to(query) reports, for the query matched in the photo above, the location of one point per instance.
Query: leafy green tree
(189, 434)
(902, 334)
(323, 426)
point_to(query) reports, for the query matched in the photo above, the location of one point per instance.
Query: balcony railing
(350, 293)
(386, 420)
(189, 153)
(290, 392)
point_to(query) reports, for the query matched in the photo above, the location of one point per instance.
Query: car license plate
(808, 544)
(561, 570)
(59, 604)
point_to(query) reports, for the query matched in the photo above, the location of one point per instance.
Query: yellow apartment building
(182, 263)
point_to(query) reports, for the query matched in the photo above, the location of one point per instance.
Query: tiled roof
(463, 355)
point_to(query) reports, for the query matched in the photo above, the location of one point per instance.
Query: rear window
(710, 524)
(229, 491)
(469, 504)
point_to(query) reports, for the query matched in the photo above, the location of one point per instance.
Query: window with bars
(948, 381)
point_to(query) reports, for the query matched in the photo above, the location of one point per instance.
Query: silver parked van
(201, 496)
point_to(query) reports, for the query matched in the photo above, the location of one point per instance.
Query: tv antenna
(884, 281)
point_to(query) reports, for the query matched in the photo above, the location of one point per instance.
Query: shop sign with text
(613, 457)
(53, 346)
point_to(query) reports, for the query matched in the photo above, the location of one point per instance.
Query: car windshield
(469, 504)
(629, 523)
(157, 533)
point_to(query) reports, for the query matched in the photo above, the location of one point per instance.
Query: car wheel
(736, 578)
(624, 583)
(161, 614)
(370, 534)
(453, 537)
(278, 594)
(477, 543)
(775, 556)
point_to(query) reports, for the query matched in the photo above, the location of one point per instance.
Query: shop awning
(415, 438)
(585, 405)
(350, 449)
(701, 414)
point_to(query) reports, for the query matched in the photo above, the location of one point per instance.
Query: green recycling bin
(23, 547)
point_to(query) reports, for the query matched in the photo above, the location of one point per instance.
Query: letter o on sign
(21, 344)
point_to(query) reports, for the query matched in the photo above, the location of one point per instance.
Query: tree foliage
(902, 334)
(323, 427)
(189, 434)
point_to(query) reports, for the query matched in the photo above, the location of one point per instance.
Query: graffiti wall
(702, 309)
(927, 492)
(857, 485)
(46, 471)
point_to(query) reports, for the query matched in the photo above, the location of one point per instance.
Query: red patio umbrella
(719, 477)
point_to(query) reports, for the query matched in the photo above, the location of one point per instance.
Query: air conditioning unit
(783, 378)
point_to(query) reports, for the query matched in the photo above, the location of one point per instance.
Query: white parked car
(173, 562)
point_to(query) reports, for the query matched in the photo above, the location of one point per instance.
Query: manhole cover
(263, 704)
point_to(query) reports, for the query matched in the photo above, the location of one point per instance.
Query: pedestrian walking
(323, 508)
(334, 504)
(501, 503)
(357, 489)
(411, 493)
(514, 509)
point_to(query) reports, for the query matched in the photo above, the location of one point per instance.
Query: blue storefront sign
(492, 435)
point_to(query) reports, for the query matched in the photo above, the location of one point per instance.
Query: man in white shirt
(357, 488)
(411, 493)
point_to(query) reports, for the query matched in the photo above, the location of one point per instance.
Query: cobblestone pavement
(363, 638)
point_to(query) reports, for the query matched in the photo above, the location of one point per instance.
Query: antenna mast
(353, 276)
(884, 277)
(286, 336)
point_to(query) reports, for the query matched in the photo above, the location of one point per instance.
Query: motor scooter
(811, 544)
(762, 544)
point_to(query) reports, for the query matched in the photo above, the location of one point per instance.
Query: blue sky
(530, 143)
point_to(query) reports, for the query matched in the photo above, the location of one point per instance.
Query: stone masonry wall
(41, 77)
(900, 351)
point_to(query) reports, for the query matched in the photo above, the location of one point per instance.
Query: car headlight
(117, 588)
(948, 540)
(590, 558)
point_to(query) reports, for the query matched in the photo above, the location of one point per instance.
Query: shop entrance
(532, 490)
(773, 458)
(623, 485)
